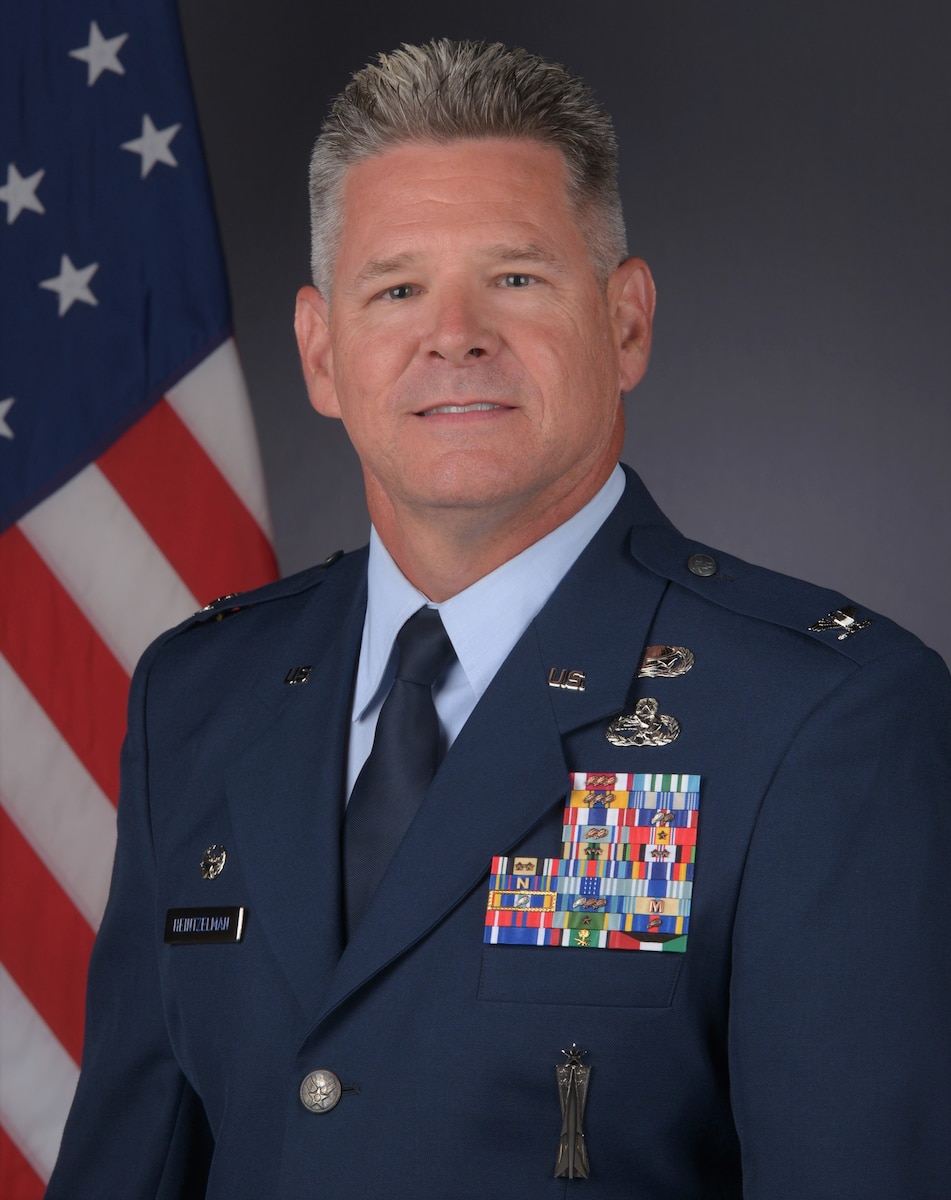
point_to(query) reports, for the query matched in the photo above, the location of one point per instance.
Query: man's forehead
(507, 178)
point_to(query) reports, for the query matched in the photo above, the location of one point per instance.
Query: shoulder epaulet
(825, 616)
(236, 602)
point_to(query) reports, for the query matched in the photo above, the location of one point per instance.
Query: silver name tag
(185, 926)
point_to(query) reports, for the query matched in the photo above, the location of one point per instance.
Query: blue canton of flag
(98, 143)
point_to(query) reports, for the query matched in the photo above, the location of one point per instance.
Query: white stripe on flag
(53, 799)
(102, 555)
(212, 401)
(37, 1080)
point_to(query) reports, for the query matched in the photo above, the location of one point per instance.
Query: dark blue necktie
(401, 764)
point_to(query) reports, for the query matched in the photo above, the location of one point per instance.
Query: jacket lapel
(507, 768)
(285, 790)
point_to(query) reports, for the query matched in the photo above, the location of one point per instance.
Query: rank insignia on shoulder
(625, 879)
(218, 600)
(842, 619)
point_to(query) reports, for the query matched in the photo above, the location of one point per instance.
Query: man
(514, 989)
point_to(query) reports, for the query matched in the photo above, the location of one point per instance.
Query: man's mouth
(452, 409)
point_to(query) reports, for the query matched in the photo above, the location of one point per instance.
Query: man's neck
(444, 551)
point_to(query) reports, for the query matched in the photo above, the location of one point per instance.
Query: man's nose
(461, 331)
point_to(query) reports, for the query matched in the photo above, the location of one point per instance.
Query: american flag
(130, 487)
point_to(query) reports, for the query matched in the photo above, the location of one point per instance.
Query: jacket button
(320, 1091)
(702, 564)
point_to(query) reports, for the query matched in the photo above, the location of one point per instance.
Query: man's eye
(517, 280)
(402, 291)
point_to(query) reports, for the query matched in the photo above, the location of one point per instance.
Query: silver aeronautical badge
(645, 726)
(213, 862)
(665, 662)
(842, 619)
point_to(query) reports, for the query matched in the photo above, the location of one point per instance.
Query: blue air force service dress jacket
(748, 940)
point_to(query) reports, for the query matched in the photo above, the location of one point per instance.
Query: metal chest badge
(645, 726)
(625, 880)
(573, 1080)
(213, 862)
(665, 662)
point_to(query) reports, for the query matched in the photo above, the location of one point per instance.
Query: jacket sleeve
(136, 1127)
(840, 1038)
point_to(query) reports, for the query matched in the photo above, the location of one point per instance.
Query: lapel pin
(665, 662)
(573, 1079)
(298, 675)
(560, 677)
(213, 862)
(645, 726)
(842, 619)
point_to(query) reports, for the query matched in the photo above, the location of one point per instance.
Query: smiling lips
(478, 406)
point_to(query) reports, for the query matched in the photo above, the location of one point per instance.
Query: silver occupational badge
(573, 1080)
(645, 726)
(842, 619)
(213, 862)
(665, 662)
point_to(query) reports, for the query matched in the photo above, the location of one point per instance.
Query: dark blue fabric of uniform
(401, 765)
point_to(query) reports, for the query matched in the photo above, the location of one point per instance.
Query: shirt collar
(486, 619)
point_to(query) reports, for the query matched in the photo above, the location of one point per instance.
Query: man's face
(469, 349)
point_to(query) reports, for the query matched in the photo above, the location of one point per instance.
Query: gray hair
(445, 91)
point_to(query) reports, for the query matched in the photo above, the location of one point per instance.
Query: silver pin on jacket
(840, 619)
(665, 662)
(645, 726)
(573, 1080)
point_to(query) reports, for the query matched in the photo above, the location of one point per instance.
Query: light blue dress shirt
(483, 622)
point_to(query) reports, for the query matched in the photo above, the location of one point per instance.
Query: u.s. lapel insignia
(572, 681)
(626, 876)
(213, 862)
(842, 619)
(645, 726)
(298, 675)
(665, 662)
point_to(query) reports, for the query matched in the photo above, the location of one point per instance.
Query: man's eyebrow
(524, 252)
(377, 268)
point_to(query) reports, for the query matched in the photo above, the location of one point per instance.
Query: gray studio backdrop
(786, 174)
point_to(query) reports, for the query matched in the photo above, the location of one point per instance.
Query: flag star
(100, 54)
(20, 193)
(153, 145)
(5, 406)
(72, 284)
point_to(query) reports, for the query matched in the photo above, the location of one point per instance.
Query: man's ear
(631, 298)
(311, 324)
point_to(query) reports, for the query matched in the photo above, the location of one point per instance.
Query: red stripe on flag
(50, 965)
(62, 660)
(20, 1181)
(188, 508)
